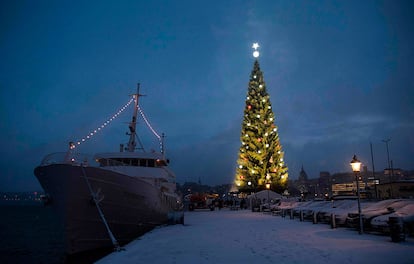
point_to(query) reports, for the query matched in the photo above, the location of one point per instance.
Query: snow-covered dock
(245, 237)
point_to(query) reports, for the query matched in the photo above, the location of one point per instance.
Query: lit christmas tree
(260, 163)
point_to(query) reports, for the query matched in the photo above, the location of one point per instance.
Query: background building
(382, 185)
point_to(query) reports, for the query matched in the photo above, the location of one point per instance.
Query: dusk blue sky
(339, 75)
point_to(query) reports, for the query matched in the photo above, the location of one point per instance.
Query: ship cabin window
(143, 162)
(151, 163)
(120, 162)
(134, 162)
(103, 162)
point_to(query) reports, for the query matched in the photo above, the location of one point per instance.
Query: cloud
(212, 161)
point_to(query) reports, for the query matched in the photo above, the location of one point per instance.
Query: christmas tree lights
(261, 159)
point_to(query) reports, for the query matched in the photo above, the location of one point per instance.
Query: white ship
(111, 198)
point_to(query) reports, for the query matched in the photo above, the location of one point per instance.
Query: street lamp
(268, 198)
(356, 168)
(268, 188)
(251, 200)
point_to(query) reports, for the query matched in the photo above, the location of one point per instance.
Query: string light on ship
(149, 126)
(91, 134)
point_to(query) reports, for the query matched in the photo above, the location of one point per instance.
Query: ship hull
(131, 206)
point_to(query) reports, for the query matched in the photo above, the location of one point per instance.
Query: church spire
(302, 175)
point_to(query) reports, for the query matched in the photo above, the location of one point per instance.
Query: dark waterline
(30, 233)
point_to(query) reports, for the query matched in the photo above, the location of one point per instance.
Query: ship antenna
(132, 125)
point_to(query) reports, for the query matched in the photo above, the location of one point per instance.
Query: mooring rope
(101, 214)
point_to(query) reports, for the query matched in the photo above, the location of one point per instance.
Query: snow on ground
(245, 237)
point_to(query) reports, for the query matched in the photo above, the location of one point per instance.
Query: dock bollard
(301, 216)
(396, 229)
(333, 222)
(315, 218)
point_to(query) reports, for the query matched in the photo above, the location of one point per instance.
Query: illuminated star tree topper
(256, 52)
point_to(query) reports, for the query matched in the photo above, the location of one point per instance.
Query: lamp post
(390, 173)
(268, 187)
(356, 168)
(373, 171)
(388, 153)
(251, 200)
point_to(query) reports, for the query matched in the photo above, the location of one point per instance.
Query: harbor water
(30, 233)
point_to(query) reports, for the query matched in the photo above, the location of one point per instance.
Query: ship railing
(75, 159)
(87, 160)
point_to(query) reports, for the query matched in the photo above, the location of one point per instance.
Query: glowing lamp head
(355, 164)
(268, 186)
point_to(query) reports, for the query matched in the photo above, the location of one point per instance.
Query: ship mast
(132, 125)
